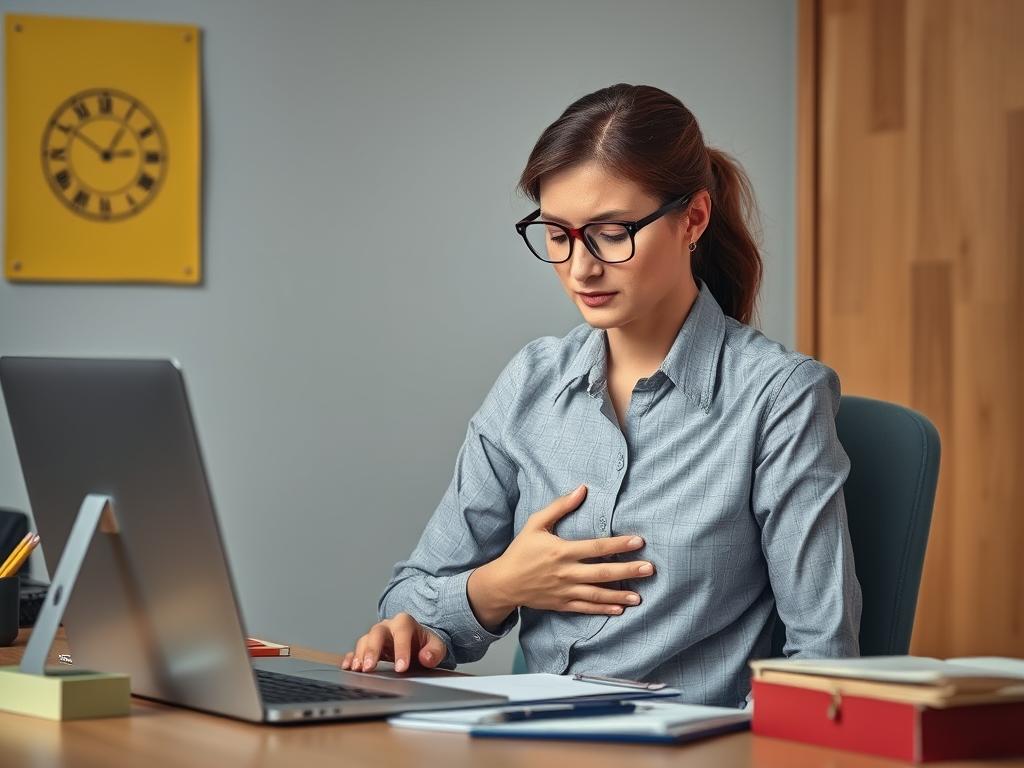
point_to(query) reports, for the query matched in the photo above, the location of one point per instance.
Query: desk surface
(157, 735)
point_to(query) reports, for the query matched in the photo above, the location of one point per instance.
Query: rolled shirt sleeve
(472, 525)
(799, 504)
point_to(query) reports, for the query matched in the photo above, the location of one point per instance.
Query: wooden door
(911, 269)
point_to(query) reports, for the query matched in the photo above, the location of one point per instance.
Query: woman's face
(657, 276)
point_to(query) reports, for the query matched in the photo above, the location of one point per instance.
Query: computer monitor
(157, 600)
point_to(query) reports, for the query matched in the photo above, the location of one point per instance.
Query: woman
(706, 470)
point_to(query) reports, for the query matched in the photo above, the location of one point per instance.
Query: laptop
(157, 600)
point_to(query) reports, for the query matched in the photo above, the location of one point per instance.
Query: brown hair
(648, 136)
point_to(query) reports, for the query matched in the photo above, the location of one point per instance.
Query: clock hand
(117, 138)
(90, 142)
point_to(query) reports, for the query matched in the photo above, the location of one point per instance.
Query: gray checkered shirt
(728, 466)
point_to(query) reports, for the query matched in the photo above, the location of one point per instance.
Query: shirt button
(620, 462)
(603, 521)
(476, 636)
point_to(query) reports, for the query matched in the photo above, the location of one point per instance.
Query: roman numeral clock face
(104, 154)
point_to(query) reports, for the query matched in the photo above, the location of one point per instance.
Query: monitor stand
(59, 694)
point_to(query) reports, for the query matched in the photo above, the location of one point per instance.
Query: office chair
(894, 469)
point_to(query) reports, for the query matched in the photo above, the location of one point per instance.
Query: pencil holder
(9, 604)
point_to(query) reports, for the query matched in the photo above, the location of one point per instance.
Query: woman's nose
(581, 260)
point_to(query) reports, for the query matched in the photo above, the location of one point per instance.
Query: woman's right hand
(541, 570)
(399, 639)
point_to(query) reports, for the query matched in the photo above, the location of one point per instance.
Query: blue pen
(580, 709)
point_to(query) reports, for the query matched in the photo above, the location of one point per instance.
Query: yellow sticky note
(103, 151)
(65, 694)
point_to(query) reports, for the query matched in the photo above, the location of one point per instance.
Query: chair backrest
(894, 469)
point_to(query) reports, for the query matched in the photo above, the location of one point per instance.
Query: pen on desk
(587, 678)
(14, 552)
(580, 709)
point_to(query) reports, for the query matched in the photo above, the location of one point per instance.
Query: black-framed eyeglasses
(609, 241)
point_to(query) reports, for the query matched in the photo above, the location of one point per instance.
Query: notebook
(913, 679)
(258, 647)
(541, 687)
(651, 722)
(449, 720)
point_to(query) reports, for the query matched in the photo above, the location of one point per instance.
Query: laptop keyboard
(277, 688)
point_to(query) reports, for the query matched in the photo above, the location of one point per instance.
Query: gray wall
(364, 284)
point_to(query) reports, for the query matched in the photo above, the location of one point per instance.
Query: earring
(693, 247)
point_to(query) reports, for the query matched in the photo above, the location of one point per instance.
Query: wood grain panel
(862, 208)
(1011, 43)
(931, 200)
(919, 264)
(808, 35)
(887, 39)
(931, 393)
(1015, 188)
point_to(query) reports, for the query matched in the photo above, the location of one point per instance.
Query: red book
(266, 648)
(901, 730)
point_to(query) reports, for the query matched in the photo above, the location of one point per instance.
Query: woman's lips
(597, 299)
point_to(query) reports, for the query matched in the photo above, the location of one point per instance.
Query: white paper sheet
(539, 687)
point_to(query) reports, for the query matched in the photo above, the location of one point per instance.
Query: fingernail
(428, 655)
(367, 663)
(634, 599)
(615, 609)
(400, 665)
(646, 569)
(355, 664)
(636, 541)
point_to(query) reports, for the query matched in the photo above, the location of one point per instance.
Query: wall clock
(104, 154)
(103, 151)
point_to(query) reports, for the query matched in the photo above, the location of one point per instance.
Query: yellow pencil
(21, 557)
(14, 552)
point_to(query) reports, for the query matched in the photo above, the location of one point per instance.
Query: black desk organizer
(33, 593)
(13, 526)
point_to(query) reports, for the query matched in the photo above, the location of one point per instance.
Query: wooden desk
(157, 735)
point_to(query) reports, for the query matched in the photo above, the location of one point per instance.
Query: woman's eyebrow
(598, 217)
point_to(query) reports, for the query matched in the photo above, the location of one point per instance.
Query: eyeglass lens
(610, 242)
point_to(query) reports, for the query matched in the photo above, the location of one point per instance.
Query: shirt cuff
(460, 621)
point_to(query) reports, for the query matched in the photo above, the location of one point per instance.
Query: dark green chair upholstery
(894, 469)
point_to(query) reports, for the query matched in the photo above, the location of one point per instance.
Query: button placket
(619, 462)
(641, 401)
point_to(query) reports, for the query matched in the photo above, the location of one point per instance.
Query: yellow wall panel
(103, 151)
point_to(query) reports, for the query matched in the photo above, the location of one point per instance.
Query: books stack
(907, 707)
(259, 647)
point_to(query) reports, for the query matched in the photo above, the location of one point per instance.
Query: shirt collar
(691, 362)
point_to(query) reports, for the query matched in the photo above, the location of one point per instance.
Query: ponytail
(727, 257)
